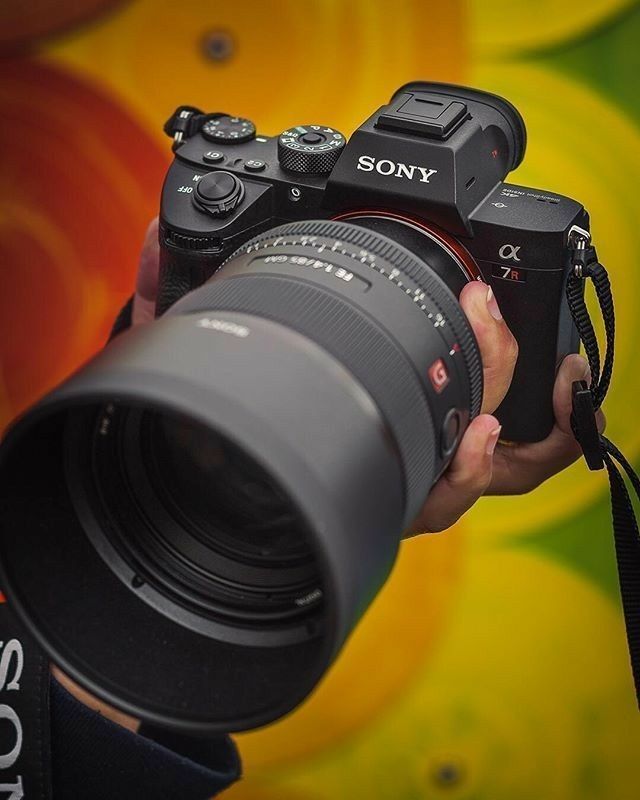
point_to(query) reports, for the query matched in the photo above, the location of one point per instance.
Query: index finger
(498, 347)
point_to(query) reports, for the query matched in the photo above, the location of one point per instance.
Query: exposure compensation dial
(225, 129)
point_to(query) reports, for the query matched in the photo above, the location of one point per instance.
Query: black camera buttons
(213, 157)
(255, 165)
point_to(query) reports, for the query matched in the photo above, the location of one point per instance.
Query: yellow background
(493, 666)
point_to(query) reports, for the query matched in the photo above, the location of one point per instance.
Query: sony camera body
(433, 159)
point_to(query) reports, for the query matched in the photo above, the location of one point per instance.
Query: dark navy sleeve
(96, 759)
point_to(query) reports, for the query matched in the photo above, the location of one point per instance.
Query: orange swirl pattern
(78, 185)
(44, 18)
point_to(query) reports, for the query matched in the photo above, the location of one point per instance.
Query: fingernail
(492, 441)
(492, 305)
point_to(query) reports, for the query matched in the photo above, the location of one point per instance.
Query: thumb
(497, 344)
(144, 301)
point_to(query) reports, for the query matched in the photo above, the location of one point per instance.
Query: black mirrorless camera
(193, 523)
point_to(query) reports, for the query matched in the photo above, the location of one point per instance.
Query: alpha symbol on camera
(509, 251)
(438, 375)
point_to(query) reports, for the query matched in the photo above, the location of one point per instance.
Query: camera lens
(197, 517)
(194, 522)
(216, 489)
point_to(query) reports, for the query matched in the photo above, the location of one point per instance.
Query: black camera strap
(25, 746)
(600, 452)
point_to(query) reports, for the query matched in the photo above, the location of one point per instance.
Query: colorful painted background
(493, 665)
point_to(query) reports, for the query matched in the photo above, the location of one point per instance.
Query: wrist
(87, 699)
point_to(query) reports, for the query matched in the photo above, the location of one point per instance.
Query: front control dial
(228, 130)
(218, 193)
(310, 148)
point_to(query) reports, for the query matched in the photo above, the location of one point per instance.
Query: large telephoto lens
(194, 522)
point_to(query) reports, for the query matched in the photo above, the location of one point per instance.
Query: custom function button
(255, 165)
(213, 157)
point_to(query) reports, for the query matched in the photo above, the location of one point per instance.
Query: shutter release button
(218, 193)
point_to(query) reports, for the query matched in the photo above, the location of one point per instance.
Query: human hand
(482, 464)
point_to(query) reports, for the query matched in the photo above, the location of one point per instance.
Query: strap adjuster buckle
(585, 427)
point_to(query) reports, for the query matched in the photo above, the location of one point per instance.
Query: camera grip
(537, 315)
(180, 272)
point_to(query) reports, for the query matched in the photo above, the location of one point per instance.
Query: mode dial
(228, 130)
(218, 193)
(310, 148)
